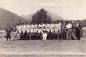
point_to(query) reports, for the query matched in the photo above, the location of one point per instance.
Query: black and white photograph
(42, 28)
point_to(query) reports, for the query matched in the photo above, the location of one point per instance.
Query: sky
(67, 9)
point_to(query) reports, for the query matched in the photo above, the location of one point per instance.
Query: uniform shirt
(44, 35)
(69, 25)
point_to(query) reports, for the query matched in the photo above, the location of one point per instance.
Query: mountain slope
(7, 17)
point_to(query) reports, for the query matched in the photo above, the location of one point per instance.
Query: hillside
(7, 17)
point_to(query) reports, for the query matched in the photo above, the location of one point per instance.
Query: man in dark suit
(8, 32)
(78, 31)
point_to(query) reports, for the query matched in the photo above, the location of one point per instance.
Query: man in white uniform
(44, 36)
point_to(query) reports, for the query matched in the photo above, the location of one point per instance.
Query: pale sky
(68, 9)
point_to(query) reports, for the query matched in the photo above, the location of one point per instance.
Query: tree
(41, 16)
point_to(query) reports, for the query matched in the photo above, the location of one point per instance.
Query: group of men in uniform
(37, 30)
(44, 31)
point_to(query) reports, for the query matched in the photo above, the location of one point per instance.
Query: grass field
(42, 55)
(37, 48)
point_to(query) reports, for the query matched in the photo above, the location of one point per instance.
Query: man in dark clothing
(21, 35)
(8, 32)
(25, 35)
(78, 31)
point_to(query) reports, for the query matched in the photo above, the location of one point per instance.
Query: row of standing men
(66, 32)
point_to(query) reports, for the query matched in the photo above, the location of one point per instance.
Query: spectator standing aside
(8, 33)
(73, 31)
(78, 31)
(13, 33)
(69, 30)
(25, 35)
(21, 35)
(63, 31)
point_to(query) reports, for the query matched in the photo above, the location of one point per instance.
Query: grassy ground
(42, 55)
(37, 48)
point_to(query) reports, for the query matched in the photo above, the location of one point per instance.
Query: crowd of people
(35, 31)
(61, 31)
(71, 31)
